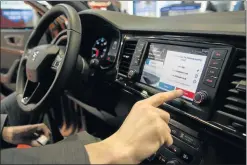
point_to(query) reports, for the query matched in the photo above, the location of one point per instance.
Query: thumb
(40, 128)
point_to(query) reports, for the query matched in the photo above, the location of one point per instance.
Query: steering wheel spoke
(30, 92)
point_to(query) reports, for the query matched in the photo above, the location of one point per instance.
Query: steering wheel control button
(210, 81)
(200, 97)
(214, 72)
(24, 100)
(186, 157)
(219, 54)
(216, 63)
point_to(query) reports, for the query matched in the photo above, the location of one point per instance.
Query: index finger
(160, 98)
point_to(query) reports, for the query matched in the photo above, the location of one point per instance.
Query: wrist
(7, 134)
(110, 151)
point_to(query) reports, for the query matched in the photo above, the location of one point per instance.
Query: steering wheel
(44, 69)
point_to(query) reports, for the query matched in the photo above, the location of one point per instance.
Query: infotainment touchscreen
(169, 67)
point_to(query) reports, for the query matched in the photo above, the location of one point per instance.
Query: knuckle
(170, 141)
(167, 128)
(138, 103)
(42, 124)
(168, 116)
(161, 132)
(158, 126)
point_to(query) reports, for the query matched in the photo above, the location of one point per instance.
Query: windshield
(168, 8)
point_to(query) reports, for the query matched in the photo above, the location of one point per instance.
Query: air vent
(233, 113)
(125, 59)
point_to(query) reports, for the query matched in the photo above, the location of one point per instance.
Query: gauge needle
(97, 52)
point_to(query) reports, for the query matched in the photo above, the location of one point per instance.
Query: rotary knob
(200, 97)
(173, 162)
(94, 63)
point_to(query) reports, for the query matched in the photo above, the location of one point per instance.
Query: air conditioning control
(173, 162)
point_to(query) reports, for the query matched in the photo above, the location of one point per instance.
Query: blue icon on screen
(147, 61)
(166, 86)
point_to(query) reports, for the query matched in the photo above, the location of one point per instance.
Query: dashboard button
(213, 72)
(175, 150)
(186, 157)
(173, 162)
(219, 54)
(162, 159)
(137, 61)
(111, 58)
(114, 45)
(132, 74)
(210, 81)
(189, 140)
(174, 131)
(215, 63)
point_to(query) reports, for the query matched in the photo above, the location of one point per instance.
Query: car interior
(84, 69)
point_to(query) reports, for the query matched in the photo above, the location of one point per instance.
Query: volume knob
(173, 162)
(200, 97)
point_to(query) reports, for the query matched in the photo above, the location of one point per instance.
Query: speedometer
(99, 49)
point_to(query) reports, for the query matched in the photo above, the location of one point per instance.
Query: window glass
(17, 14)
(168, 8)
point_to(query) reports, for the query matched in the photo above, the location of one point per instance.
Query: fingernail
(180, 92)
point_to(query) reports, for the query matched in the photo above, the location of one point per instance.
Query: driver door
(17, 22)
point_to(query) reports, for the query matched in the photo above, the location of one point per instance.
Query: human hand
(143, 132)
(26, 134)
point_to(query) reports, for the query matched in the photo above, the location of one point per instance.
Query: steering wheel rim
(35, 57)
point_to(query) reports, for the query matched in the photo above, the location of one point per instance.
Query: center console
(149, 65)
(165, 65)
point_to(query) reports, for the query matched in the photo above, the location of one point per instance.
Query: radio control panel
(165, 65)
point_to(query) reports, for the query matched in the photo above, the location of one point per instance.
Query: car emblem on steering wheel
(35, 54)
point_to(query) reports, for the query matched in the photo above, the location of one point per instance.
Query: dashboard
(133, 58)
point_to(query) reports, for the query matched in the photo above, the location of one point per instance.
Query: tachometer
(99, 49)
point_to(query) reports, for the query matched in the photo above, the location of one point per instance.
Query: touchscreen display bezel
(178, 48)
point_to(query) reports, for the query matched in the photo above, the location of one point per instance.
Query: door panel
(12, 45)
